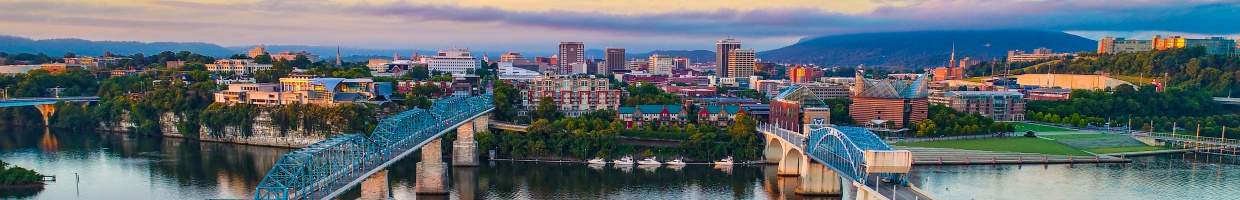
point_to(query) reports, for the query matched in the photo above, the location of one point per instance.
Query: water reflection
(116, 166)
(1180, 176)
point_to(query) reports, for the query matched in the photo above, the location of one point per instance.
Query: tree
(418, 72)
(301, 62)
(506, 97)
(263, 59)
(546, 109)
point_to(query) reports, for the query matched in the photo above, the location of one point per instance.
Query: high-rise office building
(740, 63)
(661, 64)
(722, 49)
(614, 59)
(571, 53)
(512, 57)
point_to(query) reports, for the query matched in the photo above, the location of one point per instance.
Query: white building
(509, 71)
(661, 64)
(455, 61)
(237, 66)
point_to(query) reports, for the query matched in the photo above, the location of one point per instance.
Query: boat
(597, 161)
(725, 161)
(624, 161)
(676, 162)
(649, 161)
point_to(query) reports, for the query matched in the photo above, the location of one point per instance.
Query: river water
(91, 165)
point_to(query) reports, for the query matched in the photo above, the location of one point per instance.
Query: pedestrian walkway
(944, 156)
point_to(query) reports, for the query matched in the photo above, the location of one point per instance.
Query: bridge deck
(326, 169)
(17, 102)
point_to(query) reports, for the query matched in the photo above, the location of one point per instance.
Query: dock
(944, 156)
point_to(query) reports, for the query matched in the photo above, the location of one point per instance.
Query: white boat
(676, 162)
(649, 161)
(624, 161)
(725, 161)
(597, 161)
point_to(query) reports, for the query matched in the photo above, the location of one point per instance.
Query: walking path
(944, 156)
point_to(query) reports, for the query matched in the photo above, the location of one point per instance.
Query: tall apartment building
(455, 61)
(573, 94)
(614, 59)
(997, 105)
(740, 63)
(570, 53)
(237, 66)
(723, 48)
(661, 64)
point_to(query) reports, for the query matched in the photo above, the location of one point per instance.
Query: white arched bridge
(825, 157)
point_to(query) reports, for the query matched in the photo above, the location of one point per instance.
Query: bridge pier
(432, 171)
(818, 179)
(790, 165)
(774, 151)
(376, 186)
(465, 148)
(47, 110)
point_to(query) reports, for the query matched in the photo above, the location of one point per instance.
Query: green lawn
(1080, 136)
(1107, 150)
(1010, 144)
(1022, 127)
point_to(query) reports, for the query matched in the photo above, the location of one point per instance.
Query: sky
(638, 25)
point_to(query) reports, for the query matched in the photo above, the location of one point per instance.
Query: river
(90, 165)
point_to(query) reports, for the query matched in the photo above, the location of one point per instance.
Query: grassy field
(1021, 127)
(1010, 144)
(1107, 150)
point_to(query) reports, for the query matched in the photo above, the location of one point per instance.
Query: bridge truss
(328, 168)
(842, 149)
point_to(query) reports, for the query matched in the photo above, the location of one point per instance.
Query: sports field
(1008, 144)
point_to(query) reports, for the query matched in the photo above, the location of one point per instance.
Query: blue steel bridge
(326, 169)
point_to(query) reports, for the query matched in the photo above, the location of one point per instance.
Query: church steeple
(338, 63)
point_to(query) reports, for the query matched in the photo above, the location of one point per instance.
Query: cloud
(1212, 17)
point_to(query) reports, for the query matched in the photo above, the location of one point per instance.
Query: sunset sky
(639, 25)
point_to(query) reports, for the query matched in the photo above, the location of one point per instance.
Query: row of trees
(1185, 68)
(944, 121)
(1126, 101)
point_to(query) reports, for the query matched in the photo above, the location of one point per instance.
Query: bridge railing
(327, 167)
(1189, 138)
(791, 136)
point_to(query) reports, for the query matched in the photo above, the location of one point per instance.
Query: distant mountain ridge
(58, 47)
(920, 49)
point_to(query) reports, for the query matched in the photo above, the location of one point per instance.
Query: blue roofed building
(652, 114)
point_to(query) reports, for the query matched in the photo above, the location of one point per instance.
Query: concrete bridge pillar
(774, 151)
(432, 171)
(465, 148)
(47, 110)
(376, 186)
(818, 179)
(790, 165)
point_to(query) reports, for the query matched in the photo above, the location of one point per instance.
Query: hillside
(58, 47)
(919, 49)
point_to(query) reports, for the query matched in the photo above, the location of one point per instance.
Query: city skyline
(537, 25)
